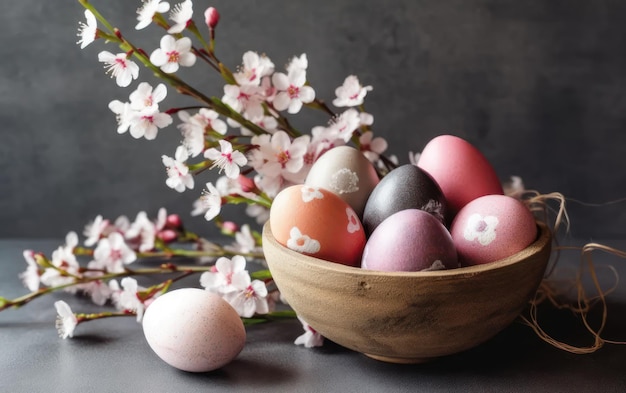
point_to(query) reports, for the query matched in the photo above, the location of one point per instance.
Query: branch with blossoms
(248, 135)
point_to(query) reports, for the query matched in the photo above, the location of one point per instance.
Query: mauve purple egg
(410, 240)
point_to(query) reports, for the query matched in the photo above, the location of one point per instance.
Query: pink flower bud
(174, 221)
(211, 17)
(167, 235)
(229, 228)
(247, 184)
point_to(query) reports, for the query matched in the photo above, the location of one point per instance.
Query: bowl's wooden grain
(408, 317)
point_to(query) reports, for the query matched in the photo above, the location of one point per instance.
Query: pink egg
(492, 227)
(410, 240)
(462, 172)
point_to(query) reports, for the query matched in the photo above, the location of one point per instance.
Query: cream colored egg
(346, 172)
(194, 330)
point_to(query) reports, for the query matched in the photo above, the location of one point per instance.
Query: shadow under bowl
(408, 317)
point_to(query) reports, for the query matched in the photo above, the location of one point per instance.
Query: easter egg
(405, 187)
(193, 330)
(460, 169)
(410, 240)
(315, 221)
(346, 172)
(492, 227)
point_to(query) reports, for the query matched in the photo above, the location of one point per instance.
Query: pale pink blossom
(141, 233)
(172, 54)
(298, 63)
(87, 31)
(146, 123)
(247, 99)
(226, 159)
(349, 121)
(127, 298)
(123, 115)
(96, 229)
(278, 154)
(97, 290)
(310, 338)
(211, 202)
(249, 297)
(112, 254)
(30, 278)
(119, 66)
(351, 93)
(253, 69)
(292, 91)
(145, 97)
(260, 213)
(220, 278)
(178, 176)
(66, 321)
(65, 267)
(181, 15)
(372, 147)
(147, 11)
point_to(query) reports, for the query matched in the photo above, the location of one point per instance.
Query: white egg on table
(194, 330)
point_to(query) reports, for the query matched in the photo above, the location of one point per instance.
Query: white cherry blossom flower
(141, 233)
(178, 176)
(249, 297)
(310, 338)
(147, 10)
(97, 290)
(244, 241)
(372, 147)
(95, 230)
(298, 63)
(181, 14)
(172, 54)
(253, 69)
(145, 97)
(351, 93)
(147, 123)
(123, 115)
(278, 154)
(30, 278)
(481, 229)
(226, 159)
(119, 66)
(346, 123)
(66, 321)
(260, 213)
(127, 299)
(414, 157)
(246, 99)
(87, 31)
(220, 279)
(112, 253)
(292, 92)
(65, 265)
(211, 201)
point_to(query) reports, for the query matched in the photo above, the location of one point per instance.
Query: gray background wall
(539, 86)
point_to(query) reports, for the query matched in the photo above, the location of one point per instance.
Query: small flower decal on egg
(311, 193)
(344, 181)
(482, 229)
(302, 243)
(353, 221)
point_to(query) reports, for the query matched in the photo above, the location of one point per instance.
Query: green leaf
(261, 275)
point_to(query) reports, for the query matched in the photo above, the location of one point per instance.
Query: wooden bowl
(408, 317)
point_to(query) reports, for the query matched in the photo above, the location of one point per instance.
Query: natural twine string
(555, 290)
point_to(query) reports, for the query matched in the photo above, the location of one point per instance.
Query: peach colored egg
(346, 172)
(461, 170)
(410, 240)
(193, 330)
(315, 221)
(492, 227)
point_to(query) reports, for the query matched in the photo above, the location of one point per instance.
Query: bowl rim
(544, 237)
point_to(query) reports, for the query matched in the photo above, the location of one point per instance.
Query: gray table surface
(113, 356)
